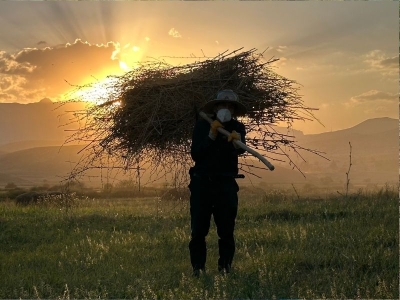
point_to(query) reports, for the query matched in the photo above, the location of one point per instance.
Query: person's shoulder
(237, 123)
(201, 123)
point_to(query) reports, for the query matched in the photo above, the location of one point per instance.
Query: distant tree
(75, 186)
(126, 184)
(38, 188)
(46, 184)
(107, 188)
(11, 186)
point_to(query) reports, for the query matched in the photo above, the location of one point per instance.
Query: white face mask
(224, 115)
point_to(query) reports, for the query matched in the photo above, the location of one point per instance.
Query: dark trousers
(217, 197)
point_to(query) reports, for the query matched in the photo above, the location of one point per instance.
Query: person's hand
(214, 127)
(234, 136)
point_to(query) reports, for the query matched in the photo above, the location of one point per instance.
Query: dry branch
(149, 113)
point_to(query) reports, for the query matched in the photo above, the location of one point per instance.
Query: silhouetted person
(213, 186)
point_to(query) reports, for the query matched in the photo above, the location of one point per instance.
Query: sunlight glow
(124, 66)
(97, 92)
(128, 57)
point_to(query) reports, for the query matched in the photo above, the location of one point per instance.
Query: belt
(219, 175)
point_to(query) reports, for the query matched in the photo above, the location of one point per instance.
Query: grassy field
(329, 247)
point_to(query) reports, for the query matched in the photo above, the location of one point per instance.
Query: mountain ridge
(48, 123)
(373, 161)
(366, 126)
(32, 157)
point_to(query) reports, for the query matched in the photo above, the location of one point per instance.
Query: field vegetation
(288, 246)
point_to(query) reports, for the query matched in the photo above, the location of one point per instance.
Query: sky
(344, 55)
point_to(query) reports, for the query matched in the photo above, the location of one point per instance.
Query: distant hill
(372, 137)
(22, 145)
(373, 126)
(375, 152)
(7, 178)
(35, 165)
(52, 164)
(42, 120)
(370, 126)
(281, 175)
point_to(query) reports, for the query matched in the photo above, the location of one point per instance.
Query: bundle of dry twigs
(150, 112)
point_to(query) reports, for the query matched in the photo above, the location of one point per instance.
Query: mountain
(52, 164)
(6, 178)
(369, 127)
(22, 145)
(35, 165)
(375, 154)
(373, 126)
(371, 137)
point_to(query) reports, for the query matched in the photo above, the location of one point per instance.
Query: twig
(348, 172)
(298, 197)
(347, 177)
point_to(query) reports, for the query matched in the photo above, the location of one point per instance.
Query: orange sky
(345, 55)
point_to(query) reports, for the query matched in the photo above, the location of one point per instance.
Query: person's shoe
(196, 272)
(224, 269)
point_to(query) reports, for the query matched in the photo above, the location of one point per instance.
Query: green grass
(138, 248)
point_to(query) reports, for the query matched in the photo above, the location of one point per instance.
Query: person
(213, 188)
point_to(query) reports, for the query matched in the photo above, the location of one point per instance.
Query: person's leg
(200, 212)
(225, 212)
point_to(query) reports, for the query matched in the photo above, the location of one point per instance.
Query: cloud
(374, 95)
(32, 74)
(174, 33)
(281, 48)
(377, 60)
(324, 105)
(10, 82)
(13, 88)
(392, 62)
(374, 103)
(8, 65)
(41, 43)
(281, 62)
(117, 51)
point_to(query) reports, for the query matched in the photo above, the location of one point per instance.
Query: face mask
(224, 115)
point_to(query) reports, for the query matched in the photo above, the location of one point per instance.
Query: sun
(101, 88)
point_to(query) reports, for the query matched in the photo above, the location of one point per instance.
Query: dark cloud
(42, 43)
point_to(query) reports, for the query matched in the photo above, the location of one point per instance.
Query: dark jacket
(217, 157)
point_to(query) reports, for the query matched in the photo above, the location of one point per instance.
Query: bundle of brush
(151, 111)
